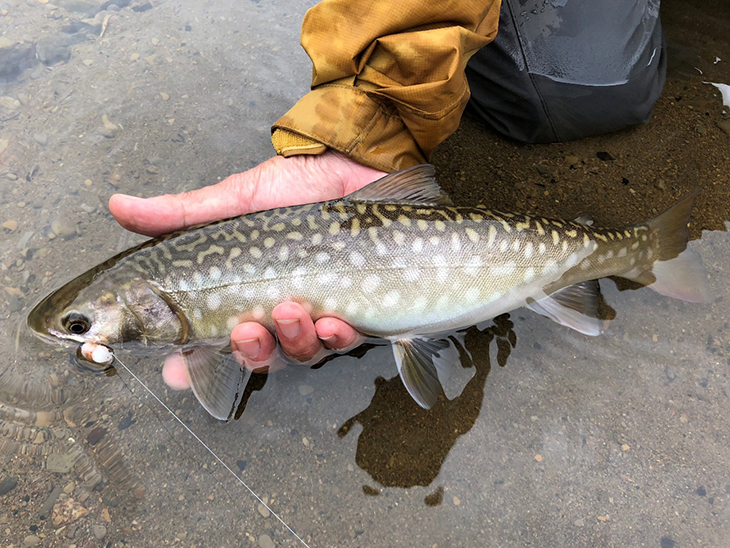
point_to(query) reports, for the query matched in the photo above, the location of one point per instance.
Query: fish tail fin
(678, 270)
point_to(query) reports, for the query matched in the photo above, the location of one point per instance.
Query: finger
(174, 374)
(161, 214)
(254, 345)
(296, 332)
(336, 334)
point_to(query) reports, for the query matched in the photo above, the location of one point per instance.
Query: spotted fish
(395, 259)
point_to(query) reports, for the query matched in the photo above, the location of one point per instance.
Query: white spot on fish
(248, 268)
(420, 303)
(391, 299)
(357, 259)
(345, 282)
(296, 236)
(423, 225)
(502, 270)
(398, 237)
(541, 249)
(352, 308)
(197, 314)
(473, 266)
(317, 238)
(322, 257)
(411, 274)
(472, 235)
(183, 285)
(198, 278)
(503, 245)
(269, 242)
(255, 252)
(215, 273)
(529, 274)
(270, 273)
(528, 250)
(572, 260)
(434, 240)
(455, 242)
(213, 300)
(492, 235)
(283, 253)
(213, 331)
(370, 283)
(417, 245)
(472, 294)
(257, 312)
(326, 278)
(330, 303)
(231, 323)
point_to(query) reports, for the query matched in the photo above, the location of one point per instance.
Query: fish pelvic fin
(423, 364)
(217, 380)
(678, 270)
(575, 306)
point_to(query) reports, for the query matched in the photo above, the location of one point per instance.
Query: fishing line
(216, 457)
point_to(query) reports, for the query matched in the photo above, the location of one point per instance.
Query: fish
(395, 259)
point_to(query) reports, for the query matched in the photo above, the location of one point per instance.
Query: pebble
(63, 228)
(41, 138)
(263, 510)
(572, 160)
(88, 62)
(7, 485)
(4, 144)
(69, 488)
(110, 129)
(164, 96)
(155, 42)
(724, 125)
(50, 502)
(579, 523)
(9, 103)
(305, 389)
(266, 542)
(10, 226)
(31, 540)
(134, 57)
(62, 463)
(538, 458)
(99, 531)
(625, 447)
(456, 501)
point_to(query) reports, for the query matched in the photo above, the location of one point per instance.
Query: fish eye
(76, 323)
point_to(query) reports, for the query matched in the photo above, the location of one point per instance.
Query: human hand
(276, 182)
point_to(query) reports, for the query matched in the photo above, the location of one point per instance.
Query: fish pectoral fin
(423, 364)
(416, 185)
(575, 306)
(217, 380)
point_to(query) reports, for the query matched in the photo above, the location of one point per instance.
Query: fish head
(108, 309)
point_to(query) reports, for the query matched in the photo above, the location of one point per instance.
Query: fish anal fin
(424, 363)
(575, 306)
(216, 378)
(416, 185)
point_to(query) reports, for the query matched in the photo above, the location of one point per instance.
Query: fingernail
(250, 348)
(288, 328)
(331, 340)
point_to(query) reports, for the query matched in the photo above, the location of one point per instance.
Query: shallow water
(559, 440)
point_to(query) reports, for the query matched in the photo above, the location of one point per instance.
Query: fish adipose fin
(678, 271)
(423, 364)
(415, 185)
(217, 380)
(575, 306)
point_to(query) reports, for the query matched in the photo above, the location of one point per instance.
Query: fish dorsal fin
(415, 185)
(216, 378)
(422, 364)
(575, 306)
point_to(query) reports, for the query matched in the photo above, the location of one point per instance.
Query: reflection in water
(402, 444)
(46, 417)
